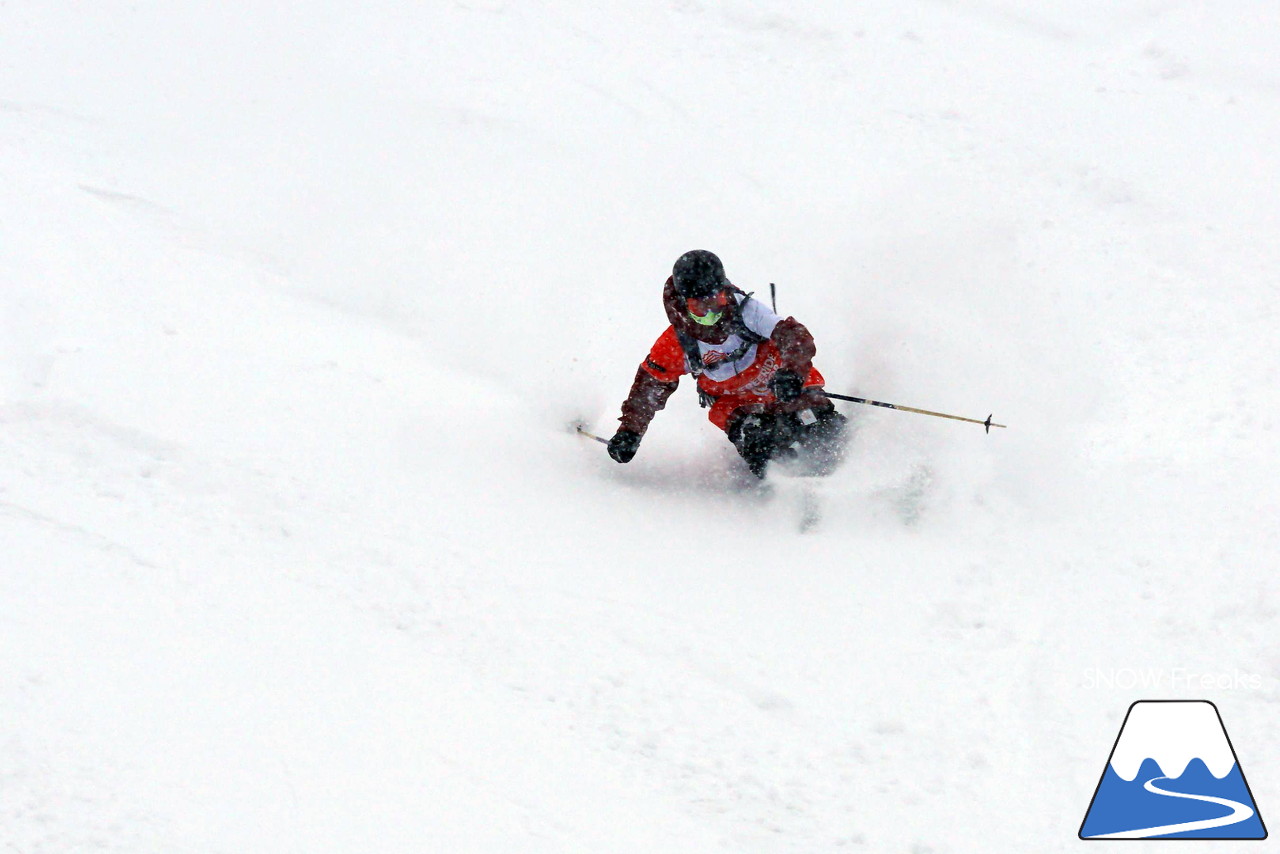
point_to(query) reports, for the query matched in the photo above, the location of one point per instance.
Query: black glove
(623, 445)
(786, 386)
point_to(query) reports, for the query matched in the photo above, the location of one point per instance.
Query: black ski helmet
(698, 274)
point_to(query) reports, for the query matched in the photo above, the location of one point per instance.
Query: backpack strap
(739, 325)
(692, 355)
(693, 358)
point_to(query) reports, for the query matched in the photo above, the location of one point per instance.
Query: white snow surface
(298, 300)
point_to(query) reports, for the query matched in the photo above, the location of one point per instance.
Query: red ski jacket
(734, 360)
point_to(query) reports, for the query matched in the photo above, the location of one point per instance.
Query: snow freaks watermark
(1173, 773)
(1173, 679)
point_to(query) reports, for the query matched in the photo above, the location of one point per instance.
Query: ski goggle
(708, 310)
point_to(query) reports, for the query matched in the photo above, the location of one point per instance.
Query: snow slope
(296, 304)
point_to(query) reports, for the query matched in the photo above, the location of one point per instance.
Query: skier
(753, 368)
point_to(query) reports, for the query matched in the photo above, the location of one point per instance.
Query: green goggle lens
(708, 310)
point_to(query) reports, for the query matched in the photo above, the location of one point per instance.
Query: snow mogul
(754, 371)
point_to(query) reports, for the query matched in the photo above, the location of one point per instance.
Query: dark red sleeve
(795, 345)
(656, 378)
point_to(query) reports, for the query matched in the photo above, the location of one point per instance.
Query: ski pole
(582, 432)
(987, 424)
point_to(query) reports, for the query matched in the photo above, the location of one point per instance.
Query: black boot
(753, 436)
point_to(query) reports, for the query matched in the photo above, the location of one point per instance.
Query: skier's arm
(795, 348)
(648, 395)
(656, 378)
(795, 344)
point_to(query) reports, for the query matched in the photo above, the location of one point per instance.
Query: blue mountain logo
(1173, 774)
